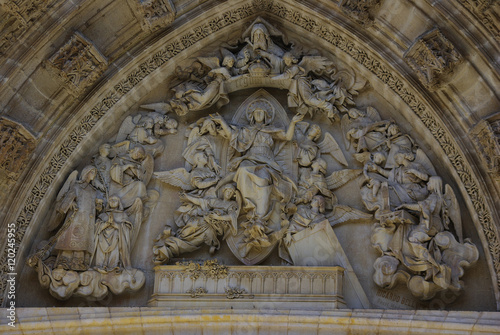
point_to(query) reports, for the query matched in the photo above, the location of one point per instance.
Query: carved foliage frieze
(486, 136)
(433, 58)
(16, 146)
(78, 63)
(153, 14)
(360, 11)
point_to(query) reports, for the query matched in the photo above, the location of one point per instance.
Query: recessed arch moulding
(348, 154)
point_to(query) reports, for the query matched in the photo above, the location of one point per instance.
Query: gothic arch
(132, 76)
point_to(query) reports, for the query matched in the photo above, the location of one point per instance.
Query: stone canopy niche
(260, 177)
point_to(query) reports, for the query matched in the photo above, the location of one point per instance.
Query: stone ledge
(146, 320)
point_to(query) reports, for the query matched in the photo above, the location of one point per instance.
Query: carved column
(78, 63)
(433, 58)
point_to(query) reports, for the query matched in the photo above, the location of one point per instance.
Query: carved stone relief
(360, 10)
(16, 146)
(153, 14)
(486, 136)
(78, 63)
(487, 13)
(308, 105)
(433, 58)
(98, 215)
(22, 13)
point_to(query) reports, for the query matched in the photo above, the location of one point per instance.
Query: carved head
(259, 36)
(393, 130)
(289, 59)
(314, 132)
(228, 61)
(104, 150)
(403, 158)
(114, 202)
(355, 113)
(200, 159)
(228, 191)
(137, 153)
(88, 173)
(318, 202)
(170, 123)
(260, 111)
(378, 158)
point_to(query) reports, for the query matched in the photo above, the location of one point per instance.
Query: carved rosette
(360, 11)
(16, 146)
(153, 14)
(433, 58)
(78, 63)
(486, 137)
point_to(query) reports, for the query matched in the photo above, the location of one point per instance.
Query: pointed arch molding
(194, 37)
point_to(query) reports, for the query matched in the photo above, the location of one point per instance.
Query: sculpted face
(259, 40)
(113, 202)
(228, 193)
(314, 133)
(201, 159)
(104, 150)
(259, 115)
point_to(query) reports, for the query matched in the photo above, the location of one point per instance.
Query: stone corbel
(16, 147)
(433, 58)
(486, 138)
(153, 14)
(360, 11)
(78, 63)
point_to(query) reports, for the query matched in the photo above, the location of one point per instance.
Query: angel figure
(303, 94)
(192, 96)
(406, 181)
(312, 181)
(364, 130)
(307, 215)
(200, 178)
(113, 238)
(308, 149)
(76, 205)
(212, 217)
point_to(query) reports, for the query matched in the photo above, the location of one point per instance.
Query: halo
(265, 105)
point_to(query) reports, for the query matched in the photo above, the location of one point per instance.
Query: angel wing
(331, 147)
(314, 63)
(422, 158)
(343, 213)
(342, 177)
(211, 62)
(60, 212)
(373, 114)
(177, 177)
(453, 210)
(160, 107)
(125, 129)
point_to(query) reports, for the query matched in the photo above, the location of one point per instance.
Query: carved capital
(153, 14)
(433, 58)
(78, 63)
(360, 11)
(16, 146)
(486, 137)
